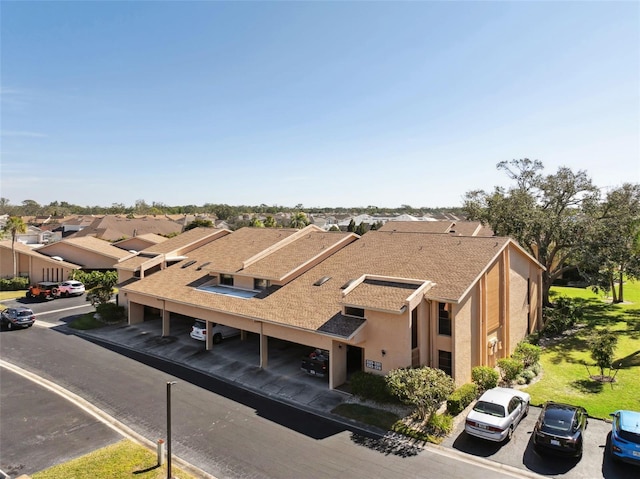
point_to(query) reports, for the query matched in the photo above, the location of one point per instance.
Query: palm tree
(299, 220)
(14, 226)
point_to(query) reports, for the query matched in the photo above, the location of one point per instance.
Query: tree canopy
(550, 216)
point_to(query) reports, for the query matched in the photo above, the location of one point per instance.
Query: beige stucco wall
(86, 259)
(391, 333)
(36, 268)
(519, 307)
(465, 338)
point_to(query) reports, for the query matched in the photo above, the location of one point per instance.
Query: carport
(341, 363)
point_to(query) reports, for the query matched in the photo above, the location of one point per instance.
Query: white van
(220, 332)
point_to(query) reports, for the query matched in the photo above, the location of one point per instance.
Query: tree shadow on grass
(148, 469)
(628, 361)
(587, 386)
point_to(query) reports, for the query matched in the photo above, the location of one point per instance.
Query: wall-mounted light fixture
(384, 353)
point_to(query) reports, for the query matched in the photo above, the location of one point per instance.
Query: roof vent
(188, 263)
(203, 265)
(348, 283)
(322, 280)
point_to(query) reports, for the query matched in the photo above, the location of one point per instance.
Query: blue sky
(312, 103)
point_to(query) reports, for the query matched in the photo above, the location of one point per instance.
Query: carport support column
(166, 330)
(264, 348)
(136, 313)
(208, 334)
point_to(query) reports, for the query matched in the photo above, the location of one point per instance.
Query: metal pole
(169, 384)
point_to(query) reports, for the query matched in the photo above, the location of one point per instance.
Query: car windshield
(200, 325)
(489, 408)
(557, 420)
(24, 313)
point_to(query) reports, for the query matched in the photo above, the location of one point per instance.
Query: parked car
(496, 414)
(560, 429)
(70, 288)
(625, 436)
(220, 331)
(316, 363)
(44, 290)
(17, 318)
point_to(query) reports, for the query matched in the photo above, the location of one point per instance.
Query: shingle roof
(452, 263)
(185, 240)
(381, 295)
(116, 227)
(93, 244)
(458, 228)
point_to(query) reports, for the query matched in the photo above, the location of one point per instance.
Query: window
(414, 328)
(444, 361)
(226, 279)
(261, 284)
(358, 312)
(444, 319)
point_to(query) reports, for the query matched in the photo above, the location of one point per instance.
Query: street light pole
(169, 384)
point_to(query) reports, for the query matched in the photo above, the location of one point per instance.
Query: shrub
(14, 284)
(440, 424)
(110, 312)
(485, 377)
(372, 387)
(563, 316)
(527, 353)
(510, 368)
(461, 398)
(527, 375)
(424, 388)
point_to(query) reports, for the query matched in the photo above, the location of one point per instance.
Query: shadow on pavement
(475, 447)
(391, 444)
(299, 420)
(547, 464)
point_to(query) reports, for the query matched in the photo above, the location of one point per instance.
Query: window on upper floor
(261, 284)
(226, 279)
(444, 319)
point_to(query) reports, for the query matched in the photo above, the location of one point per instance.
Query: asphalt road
(40, 428)
(225, 431)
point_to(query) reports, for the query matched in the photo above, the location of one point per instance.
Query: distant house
(140, 242)
(385, 300)
(33, 264)
(118, 227)
(88, 252)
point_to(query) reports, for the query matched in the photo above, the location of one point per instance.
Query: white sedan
(497, 413)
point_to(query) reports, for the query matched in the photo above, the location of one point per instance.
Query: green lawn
(567, 364)
(123, 459)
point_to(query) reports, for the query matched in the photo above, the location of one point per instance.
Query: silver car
(497, 413)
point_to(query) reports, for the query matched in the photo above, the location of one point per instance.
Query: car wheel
(9, 325)
(217, 338)
(526, 410)
(510, 433)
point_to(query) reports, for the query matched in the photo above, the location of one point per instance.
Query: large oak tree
(548, 215)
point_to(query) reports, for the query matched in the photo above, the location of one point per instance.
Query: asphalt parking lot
(519, 453)
(236, 361)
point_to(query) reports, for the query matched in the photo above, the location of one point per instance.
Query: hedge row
(461, 398)
(14, 284)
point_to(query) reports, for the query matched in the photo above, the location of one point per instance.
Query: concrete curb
(352, 425)
(101, 416)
